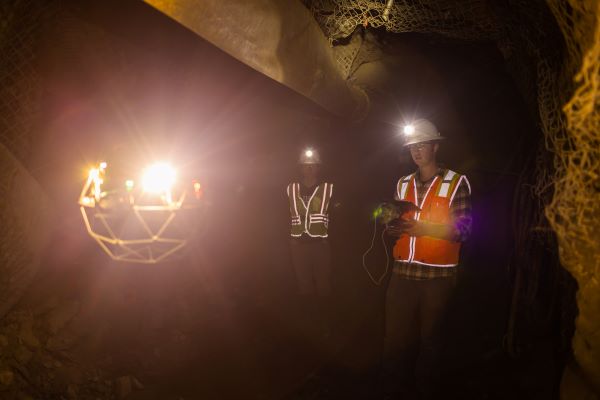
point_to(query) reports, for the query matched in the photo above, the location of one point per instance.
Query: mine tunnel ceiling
(326, 49)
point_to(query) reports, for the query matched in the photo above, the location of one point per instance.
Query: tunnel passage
(101, 84)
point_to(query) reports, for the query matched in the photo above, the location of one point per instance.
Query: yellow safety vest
(309, 218)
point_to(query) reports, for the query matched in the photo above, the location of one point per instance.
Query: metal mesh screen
(20, 26)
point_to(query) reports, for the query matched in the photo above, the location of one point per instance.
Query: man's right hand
(397, 228)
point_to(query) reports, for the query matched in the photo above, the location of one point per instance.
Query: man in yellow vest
(426, 257)
(309, 201)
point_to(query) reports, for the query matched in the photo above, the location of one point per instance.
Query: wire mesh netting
(467, 20)
(460, 19)
(20, 24)
(574, 211)
(23, 209)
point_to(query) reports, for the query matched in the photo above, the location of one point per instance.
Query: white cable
(387, 256)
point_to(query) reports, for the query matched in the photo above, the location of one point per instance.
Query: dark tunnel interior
(125, 84)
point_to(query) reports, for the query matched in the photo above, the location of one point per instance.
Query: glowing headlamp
(308, 153)
(409, 129)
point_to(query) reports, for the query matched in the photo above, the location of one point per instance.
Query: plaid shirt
(462, 219)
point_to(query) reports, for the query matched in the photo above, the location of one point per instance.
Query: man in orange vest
(426, 257)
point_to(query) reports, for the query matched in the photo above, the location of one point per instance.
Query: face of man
(309, 171)
(423, 153)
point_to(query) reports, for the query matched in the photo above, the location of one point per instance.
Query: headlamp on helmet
(309, 156)
(420, 131)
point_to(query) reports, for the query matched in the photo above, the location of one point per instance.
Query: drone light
(377, 212)
(97, 181)
(158, 178)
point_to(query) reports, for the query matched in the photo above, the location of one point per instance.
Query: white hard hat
(309, 156)
(419, 131)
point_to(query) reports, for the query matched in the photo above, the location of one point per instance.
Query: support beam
(279, 38)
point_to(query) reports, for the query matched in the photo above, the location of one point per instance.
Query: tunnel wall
(574, 211)
(26, 218)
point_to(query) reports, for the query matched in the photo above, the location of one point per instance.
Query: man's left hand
(425, 228)
(417, 228)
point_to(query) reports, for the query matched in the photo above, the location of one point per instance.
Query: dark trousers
(311, 260)
(312, 265)
(414, 314)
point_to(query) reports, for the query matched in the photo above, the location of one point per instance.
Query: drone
(146, 222)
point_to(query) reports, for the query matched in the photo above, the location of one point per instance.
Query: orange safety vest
(435, 207)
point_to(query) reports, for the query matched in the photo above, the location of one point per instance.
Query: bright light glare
(309, 153)
(97, 181)
(409, 129)
(158, 178)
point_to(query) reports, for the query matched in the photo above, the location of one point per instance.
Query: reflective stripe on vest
(310, 218)
(402, 186)
(435, 207)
